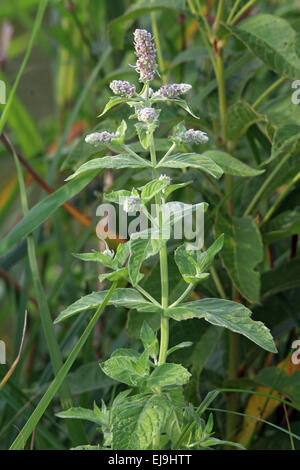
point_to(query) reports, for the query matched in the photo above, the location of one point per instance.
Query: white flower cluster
(146, 114)
(132, 204)
(193, 137)
(173, 90)
(165, 177)
(97, 138)
(122, 88)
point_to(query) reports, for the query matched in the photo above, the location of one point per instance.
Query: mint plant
(152, 413)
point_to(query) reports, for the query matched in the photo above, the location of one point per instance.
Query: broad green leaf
(117, 197)
(121, 297)
(231, 165)
(125, 369)
(194, 160)
(145, 132)
(232, 315)
(115, 161)
(192, 264)
(182, 103)
(117, 27)
(273, 40)
(79, 413)
(284, 225)
(240, 116)
(168, 375)
(285, 137)
(241, 253)
(152, 188)
(43, 210)
(140, 250)
(138, 421)
(285, 276)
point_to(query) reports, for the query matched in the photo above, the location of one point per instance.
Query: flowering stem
(164, 332)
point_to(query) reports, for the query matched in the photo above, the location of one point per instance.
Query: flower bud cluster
(97, 138)
(122, 88)
(193, 137)
(145, 51)
(146, 114)
(173, 90)
(132, 204)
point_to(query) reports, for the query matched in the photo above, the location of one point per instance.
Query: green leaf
(182, 103)
(114, 101)
(138, 421)
(117, 27)
(273, 40)
(284, 225)
(140, 250)
(174, 187)
(232, 315)
(192, 264)
(115, 161)
(145, 132)
(168, 375)
(97, 257)
(79, 413)
(284, 138)
(194, 160)
(122, 297)
(152, 188)
(231, 165)
(117, 197)
(42, 211)
(242, 251)
(125, 369)
(285, 276)
(149, 340)
(116, 275)
(240, 116)
(184, 344)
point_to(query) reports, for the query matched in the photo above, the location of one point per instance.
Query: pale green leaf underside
(232, 315)
(121, 297)
(115, 161)
(193, 160)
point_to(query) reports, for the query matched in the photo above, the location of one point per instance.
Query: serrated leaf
(193, 160)
(113, 161)
(284, 225)
(126, 297)
(97, 257)
(273, 40)
(145, 132)
(240, 116)
(231, 165)
(285, 276)
(140, 250)
(241, 253)
(168, 375)
(116, 275)
(152, 188)
(149, 340)
(117, 197)
(232, 315)
(138, 421)
(125, 368)
(174, 187)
